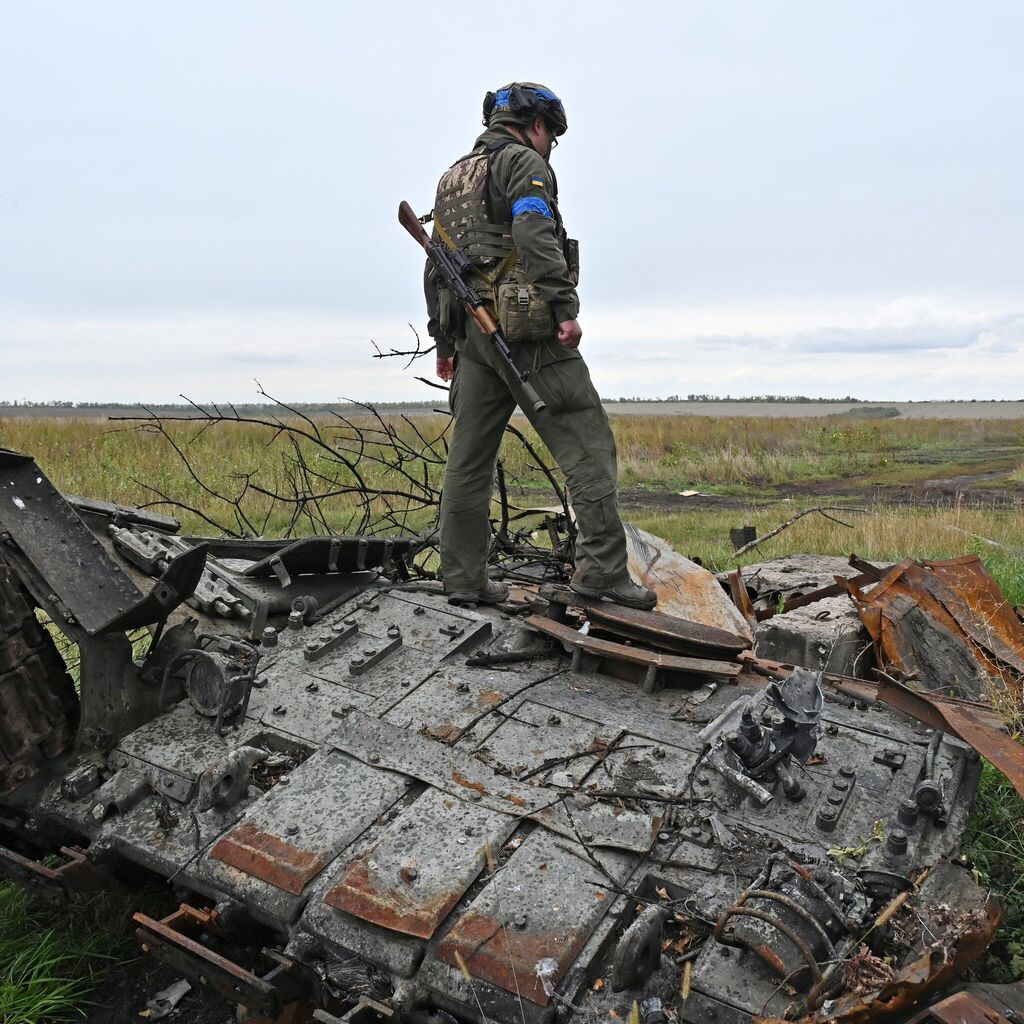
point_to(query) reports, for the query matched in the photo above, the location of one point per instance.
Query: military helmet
(521, 102)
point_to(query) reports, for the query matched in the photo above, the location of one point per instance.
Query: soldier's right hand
(570, 333)
(445, 368)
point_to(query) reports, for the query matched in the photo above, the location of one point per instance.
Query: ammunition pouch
(523, 312)
(451, 317)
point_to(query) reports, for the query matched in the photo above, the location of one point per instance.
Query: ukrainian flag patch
(537, 182)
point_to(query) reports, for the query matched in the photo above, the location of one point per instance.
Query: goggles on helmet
(526, 102)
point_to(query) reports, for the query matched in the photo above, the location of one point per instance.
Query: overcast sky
(802, 197)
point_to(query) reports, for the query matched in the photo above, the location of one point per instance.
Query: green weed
(995, 844)
(49, 964)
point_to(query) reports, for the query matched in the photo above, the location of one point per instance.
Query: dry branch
(821, 509)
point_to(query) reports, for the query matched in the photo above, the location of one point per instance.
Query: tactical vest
(462, 211)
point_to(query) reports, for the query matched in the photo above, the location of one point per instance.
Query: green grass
(995, 844)
(50, 961)
(728, 455)
(47, 965)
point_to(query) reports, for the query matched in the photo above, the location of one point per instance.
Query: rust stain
(269, 858)
(517, 800)
(488, 698)
(507, 958)
(387, 906)
(770, 957)
(459, 779)
(446, 733)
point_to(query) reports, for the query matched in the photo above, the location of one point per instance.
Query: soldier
(499, 204)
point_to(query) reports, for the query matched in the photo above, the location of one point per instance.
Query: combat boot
(630, 594)
(492, 593)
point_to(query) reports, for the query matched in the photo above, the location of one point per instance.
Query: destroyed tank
(371, 804)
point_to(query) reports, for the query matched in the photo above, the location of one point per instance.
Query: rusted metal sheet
(832, 590)
(413, 876)
(741, 599)
(669, 631)
(339, 797)
(683, 587)
(265, 856)
(632, 655)
(526, 928)
(950, 623)
(962, 1008)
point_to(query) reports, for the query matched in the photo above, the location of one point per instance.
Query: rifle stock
(450, 265)
(408, 219)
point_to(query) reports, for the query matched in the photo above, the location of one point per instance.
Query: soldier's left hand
(570, 334)
(445, 368)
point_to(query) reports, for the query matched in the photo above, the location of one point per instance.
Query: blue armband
(531, 204)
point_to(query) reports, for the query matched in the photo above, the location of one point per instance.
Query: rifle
(453, 265)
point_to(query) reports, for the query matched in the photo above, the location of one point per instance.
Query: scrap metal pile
(373, 805)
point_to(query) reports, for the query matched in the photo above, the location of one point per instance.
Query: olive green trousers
(575, 429)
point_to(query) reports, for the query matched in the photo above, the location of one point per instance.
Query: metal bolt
(897, 842)
(832, 729)
(373, 759)
(394, 631)
(312, 647)
(694, 833)
(658, 753)
(461, 840)
(587, 837)
(554, 720)
(269, 637)
(664, 836)
(313, 688)
(295, 620)
(463, 687)
(840, 785)
(411, 874)
(293, 830)
(473, 795)
(520, 922)
(349, 622)
(847, 771)
(703, 780)
(908, 813)
(418, 610)
(280, 709)
(355, 663)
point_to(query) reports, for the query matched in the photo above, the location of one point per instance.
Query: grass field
(933, 488)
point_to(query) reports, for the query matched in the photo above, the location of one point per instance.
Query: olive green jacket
(519, 173)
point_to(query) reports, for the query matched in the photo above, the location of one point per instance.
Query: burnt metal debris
(374, 806)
